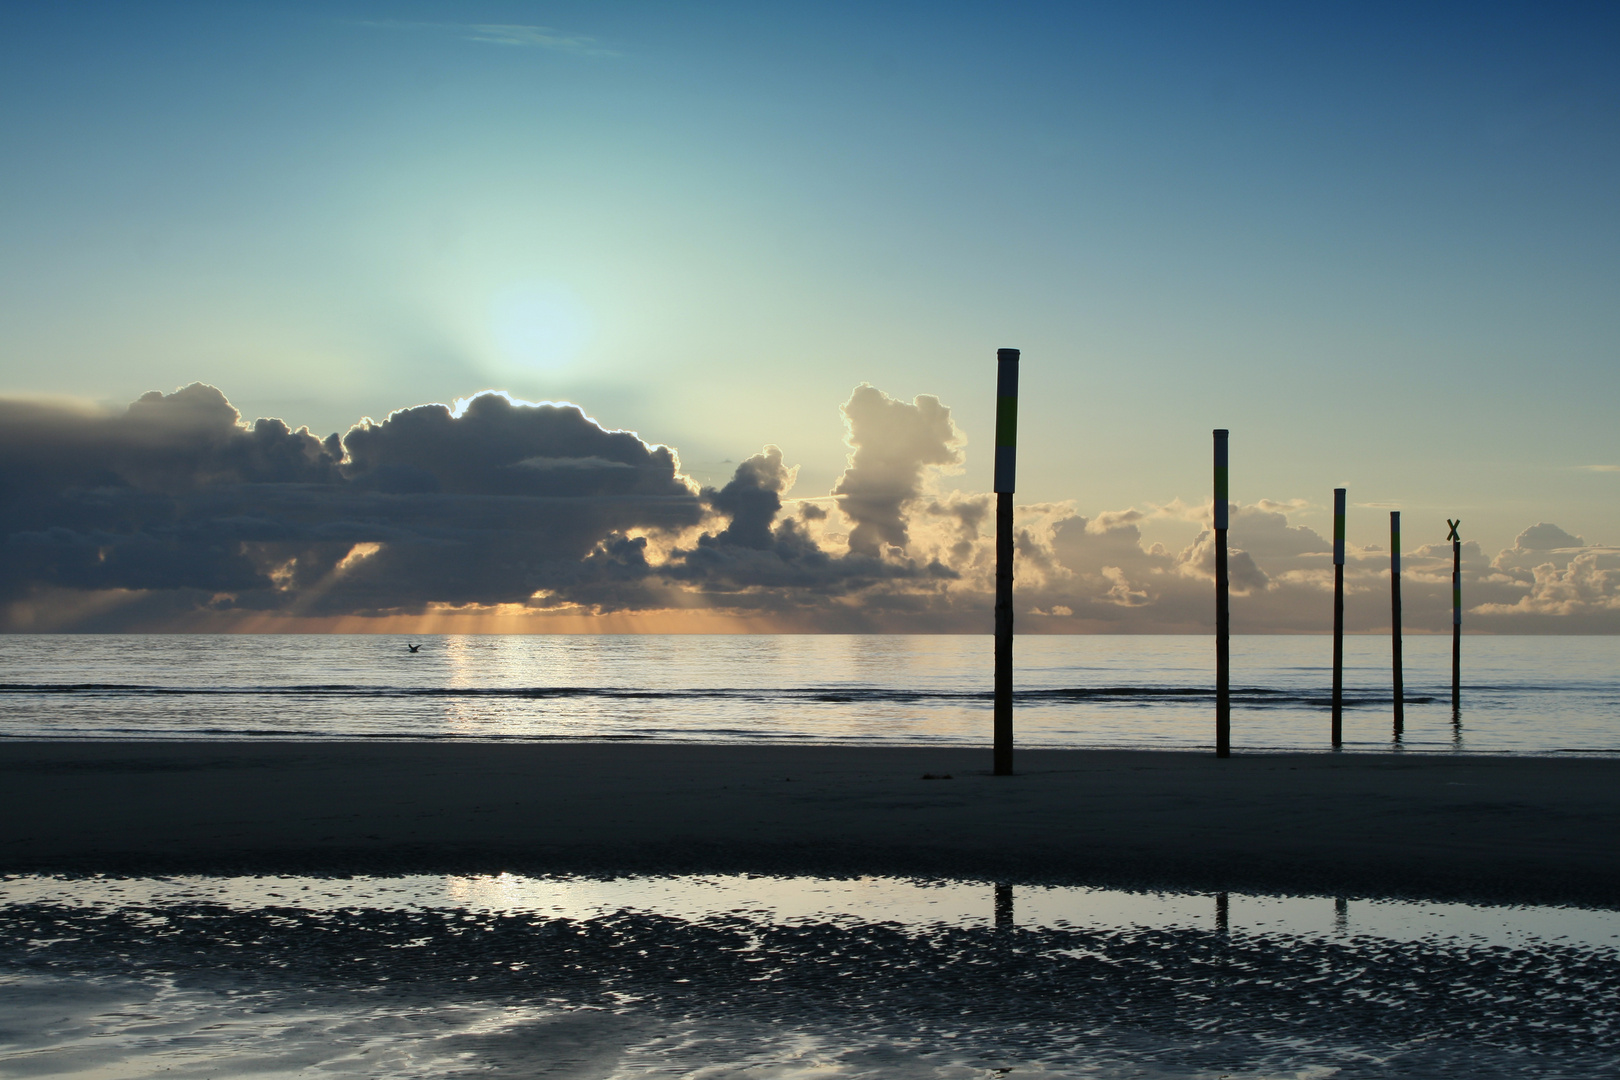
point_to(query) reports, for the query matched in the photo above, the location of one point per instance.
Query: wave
(1247, 697)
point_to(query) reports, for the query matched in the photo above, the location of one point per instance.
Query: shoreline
(1380, 749)
(1480, 827)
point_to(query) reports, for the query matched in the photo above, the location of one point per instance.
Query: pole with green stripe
(1395, 621)
(1006, 452)
(1223, 609)
(1456, 620)
(1338, 618)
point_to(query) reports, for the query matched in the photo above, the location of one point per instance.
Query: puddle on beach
(786, 978)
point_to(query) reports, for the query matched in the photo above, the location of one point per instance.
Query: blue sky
(1378, 242)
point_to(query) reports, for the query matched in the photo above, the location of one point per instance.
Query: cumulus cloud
(1558, 581)
(1583, 594)
(892, 444)
(95, 501)
(495, 505)
(1116, 580)
(175, 509)
(1544, 537)
(1282, 580)
(759, 555)
(809, 563)
(752, 499)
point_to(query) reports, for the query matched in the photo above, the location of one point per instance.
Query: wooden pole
(1456, 618)
(1395, 621)
(1223, 609)
(1338, 617)
(1006, 451)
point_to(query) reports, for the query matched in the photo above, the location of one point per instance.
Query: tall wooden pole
(1456, 618)
(1395, 621)
(1223, 610)
(1006, 452)
(1338, 617)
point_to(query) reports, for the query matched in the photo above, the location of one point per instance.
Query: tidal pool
(786, 977)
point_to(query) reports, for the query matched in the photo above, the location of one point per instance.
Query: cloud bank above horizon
(175, 514)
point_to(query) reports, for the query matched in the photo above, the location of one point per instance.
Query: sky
(1378, 243)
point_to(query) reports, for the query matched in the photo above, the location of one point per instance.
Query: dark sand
(1479, 828)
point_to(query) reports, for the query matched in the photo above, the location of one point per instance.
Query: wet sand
(1477, 828)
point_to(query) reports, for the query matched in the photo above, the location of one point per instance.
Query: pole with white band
(1006, 451)
(1223, 609)
(1456, 618)
(1395, 621)
(1338, 618)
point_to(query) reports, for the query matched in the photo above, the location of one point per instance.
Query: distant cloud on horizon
(177, 514)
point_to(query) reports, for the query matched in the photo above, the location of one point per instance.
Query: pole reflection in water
(778, 977)
(1004, 907)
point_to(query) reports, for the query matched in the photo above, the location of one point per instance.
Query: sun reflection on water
(784, 977)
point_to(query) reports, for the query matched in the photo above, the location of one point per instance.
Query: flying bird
(411, 647)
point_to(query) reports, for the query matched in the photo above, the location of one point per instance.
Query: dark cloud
(174, 509)
(499, 503)
(770, 559)
(496, 447)
(489, 506)
(504, 501)
(752, 500)
(94, 501)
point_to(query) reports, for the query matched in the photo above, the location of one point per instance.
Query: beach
(1479, 828)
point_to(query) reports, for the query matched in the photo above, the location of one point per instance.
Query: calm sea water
(1520, 694)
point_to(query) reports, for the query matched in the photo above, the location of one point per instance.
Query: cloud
(1282, 580)
(1544, 537)
(514, 35)
(534, 37)
(792, 567)
(1599, 468)
(753, 498)
(891, 444)
(1110, 569)
(177, 494)
(174, 512)
(1584, 590)
(1555, 582)
(1243, 575)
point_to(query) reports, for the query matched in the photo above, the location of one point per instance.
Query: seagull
(411, 647)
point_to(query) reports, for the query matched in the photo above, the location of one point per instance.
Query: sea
(726, 977)
(1518, 695)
